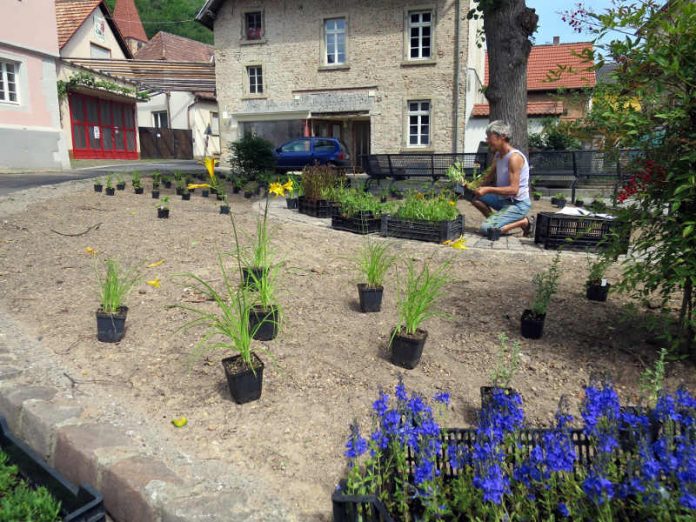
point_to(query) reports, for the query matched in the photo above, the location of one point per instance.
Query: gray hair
(500, 128)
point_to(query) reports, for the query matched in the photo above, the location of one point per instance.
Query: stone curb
(136, 486)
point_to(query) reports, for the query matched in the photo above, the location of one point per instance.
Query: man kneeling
(503, 197)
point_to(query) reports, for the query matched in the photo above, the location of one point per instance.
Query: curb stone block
(124, 484)
(41, 419)
(77, 447)
(12, 399)
(9, 372)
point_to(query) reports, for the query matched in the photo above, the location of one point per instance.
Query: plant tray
(364, 223)
(78, 504)
(368, 508)
(579, 232)
(437, 231)
(320, 208)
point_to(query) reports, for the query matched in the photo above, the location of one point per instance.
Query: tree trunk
(686, 320)
(508, 24)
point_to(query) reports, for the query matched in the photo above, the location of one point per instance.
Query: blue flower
(356, 444)
(381, 405)
(400, 391)
(563, 510)
(442, 397)
(666, 408)
(688, 500)
(598, 488)
(492, 482)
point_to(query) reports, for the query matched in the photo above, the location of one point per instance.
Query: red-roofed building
(128, 21)
(565, 96)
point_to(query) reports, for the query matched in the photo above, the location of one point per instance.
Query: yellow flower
(419, 195)
(192, 186)
(91, 251)
(452, 203)
(156, 263)
(276, 189)
(288, 186)
(180, 422)
(459, 244)
(154, 283)
(209, 163)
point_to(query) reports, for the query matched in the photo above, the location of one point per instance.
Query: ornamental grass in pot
(115, 285)
(546, 283)
(507, 364)
(156, 180)
(98, 186)
(226, 327)
(417, 302)
(456, 173)
(137, 182)
(293, 191)
(597, 288)
(120, 183)
(373, 262)
(109, 189)
(163, 208)
(225, 205)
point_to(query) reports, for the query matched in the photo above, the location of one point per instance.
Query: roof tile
(69, 17)
(538, 108)
(128, 20)
(173, 48)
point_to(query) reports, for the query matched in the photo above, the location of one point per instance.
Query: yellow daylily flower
(156, 263)
(452, 203)
(276, 189)
(459, 244)
(180, 422)
(154, 283)
(288, 186)
(209, 163)
(191, 186)
(91, 251)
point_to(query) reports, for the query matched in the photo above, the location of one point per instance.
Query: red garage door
(102, 128)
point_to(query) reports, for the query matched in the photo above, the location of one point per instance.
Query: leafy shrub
(19, 502)
(253, 155)
(317, 178)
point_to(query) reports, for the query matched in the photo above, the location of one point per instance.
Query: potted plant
(163, 208)
(237, 183)
(109, 187)
(225, 206)
(180, 185)
(120, 183)
(316, 179)
(546, 283)
(115, 287)
(597, 288)
(293, 191)
(185, 194)
(156, 180)
(227, 328)
(155, 193)
(167, 181)
(537, 195)
(136, 181)
(559, 200)
(373, 262)
(251, 188)
(264, 316)
(98, 186)
(579, 203)
(507, 363)
(416, 304)
(456, 173)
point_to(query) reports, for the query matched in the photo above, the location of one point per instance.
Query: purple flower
(442, 397)
(356, 444)
(491, 480)
(563, 510)
(381, 405)
(688, 500)
(598, 488)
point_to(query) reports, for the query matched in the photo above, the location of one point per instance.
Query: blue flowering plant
(501, 470)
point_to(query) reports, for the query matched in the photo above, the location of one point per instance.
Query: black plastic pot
(532, 326)
(205, 193)
(235, 190)
(493, 234)
(263, 323)
(155, 194)
(139, 190)
(163, 213)
(536, 197)
(111, 327)
(120, 186)
(249, 281)
(179, 191)
(98, 188)
(370, 298)
(487, 394)
(248, 194)
(110, 191)
(245, 384)
(597, 292)
(579, 203)
(406, 350)
(224, 209)
(560, 203)
(155, 186)
(186, 196)
(292, 202)
(167, 184)
(219, 196)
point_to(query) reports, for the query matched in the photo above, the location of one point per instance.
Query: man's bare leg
(522, 223)
(482, 207)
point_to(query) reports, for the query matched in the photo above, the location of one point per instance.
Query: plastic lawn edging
(78, 504)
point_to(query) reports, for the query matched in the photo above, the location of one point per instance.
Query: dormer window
(253, 25)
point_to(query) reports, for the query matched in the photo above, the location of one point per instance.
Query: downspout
(457, 76)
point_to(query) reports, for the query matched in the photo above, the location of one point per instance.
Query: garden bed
(436, 231)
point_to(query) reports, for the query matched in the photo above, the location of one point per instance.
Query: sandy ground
(326, 366)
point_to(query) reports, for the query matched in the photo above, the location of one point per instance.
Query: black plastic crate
(579, 232)
(368, 508)
(363, 223)
(78, 504)
(320, 208)
(437, 231)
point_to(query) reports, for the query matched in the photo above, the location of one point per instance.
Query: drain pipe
(457, 77)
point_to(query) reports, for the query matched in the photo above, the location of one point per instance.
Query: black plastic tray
(437, 231)
(78, 504)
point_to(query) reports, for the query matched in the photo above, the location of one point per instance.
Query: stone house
(390, 76)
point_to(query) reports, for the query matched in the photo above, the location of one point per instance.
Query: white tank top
(502, 174)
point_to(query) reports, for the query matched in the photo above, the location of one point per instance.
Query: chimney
(556, 40)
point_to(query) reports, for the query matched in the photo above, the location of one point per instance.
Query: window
(161, 119)
(418, 123)
(301, 145)
(8, 82)
(335, 41)
(253, 25)
(420, 34)
(97, 51)
(214, 124)
(324, 146)
(255, 79)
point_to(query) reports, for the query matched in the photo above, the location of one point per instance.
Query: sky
(550, 23)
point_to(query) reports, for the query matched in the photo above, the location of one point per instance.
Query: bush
(253, 155)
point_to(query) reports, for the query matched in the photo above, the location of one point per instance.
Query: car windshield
(296, 146)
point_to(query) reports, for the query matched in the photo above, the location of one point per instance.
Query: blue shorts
(506, 211)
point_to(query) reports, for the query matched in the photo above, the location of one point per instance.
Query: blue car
(295, 154)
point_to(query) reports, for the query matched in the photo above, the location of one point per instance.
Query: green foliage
(89, 80)
(353, 201)
(652, 380)
(507, 362)
(19, 502)
(555, 135)
(163, 203)
(172, 16)
(374, 260)
(596, 268)
(649, 105)
(418, 207)
(109, 182)
(420, 294)
(253, 156)
(116, 285)
(156, 178)
(546, 283)
(136, 180)
(317, 178)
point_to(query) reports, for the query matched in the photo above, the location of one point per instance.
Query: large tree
(508, 25)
